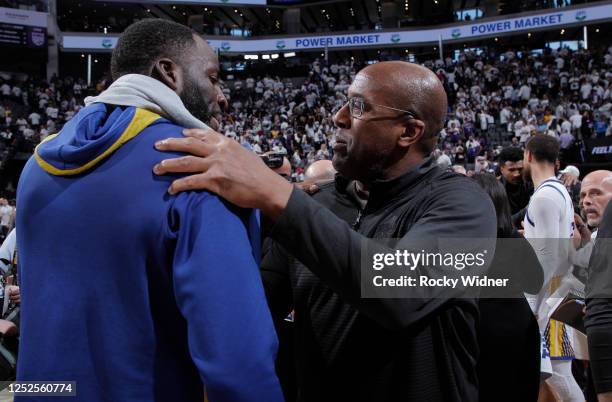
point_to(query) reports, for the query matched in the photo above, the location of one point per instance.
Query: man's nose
(342, 117)
(222, 101)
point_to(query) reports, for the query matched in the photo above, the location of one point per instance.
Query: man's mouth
(340, 139)
(591, 212)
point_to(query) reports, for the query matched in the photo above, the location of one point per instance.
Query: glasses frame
(352, 108)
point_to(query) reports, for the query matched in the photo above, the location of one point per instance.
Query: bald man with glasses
(419, 346)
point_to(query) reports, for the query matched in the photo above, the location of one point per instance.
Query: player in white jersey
(549, 227)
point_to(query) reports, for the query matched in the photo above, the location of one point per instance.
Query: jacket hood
(90, 136)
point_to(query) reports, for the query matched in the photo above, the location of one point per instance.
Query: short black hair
(510, 154)
(146, 41)
(543, 147)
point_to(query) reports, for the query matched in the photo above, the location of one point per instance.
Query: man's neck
(541, 172)
(404, 166)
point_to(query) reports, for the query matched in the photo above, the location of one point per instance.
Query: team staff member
(420, 348)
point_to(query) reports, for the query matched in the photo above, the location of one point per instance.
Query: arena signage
(457, 32)
(26, 18)
(598, 150)
(521, 23)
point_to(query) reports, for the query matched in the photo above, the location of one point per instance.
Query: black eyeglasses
(357, 107)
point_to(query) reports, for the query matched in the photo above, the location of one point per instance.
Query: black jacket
(518, 195)
(351, 348)
(507, 324)
(598, 318)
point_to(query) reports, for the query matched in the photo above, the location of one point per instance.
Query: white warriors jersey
(549, 227)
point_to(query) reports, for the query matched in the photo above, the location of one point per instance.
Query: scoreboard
(21, 35)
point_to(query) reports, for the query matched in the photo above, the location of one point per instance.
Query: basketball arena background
(281, 39)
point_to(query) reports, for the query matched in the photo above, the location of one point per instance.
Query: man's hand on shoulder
(222, 166)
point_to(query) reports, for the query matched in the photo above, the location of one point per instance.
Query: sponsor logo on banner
(456, 33)
(395, 38)
(107, 43)
(280, 44)
(225, 46)
(581, 15)
(38, 38)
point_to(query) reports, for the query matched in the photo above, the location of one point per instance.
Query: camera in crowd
(273, 160)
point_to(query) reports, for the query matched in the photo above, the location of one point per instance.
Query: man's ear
(168, 72)
(413, 133)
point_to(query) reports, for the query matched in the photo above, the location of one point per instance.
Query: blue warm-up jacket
(134, 294)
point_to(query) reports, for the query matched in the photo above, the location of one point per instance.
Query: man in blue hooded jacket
(134, 294)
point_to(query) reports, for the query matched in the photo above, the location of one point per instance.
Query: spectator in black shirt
(506, 321)
(423, 347)
(518, 188)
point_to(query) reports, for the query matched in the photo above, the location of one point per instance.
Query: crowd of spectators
(494, 100)
(30, 110)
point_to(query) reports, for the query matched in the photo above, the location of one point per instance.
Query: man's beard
(194, 102)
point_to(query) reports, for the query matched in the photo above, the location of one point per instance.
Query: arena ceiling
(322, 16)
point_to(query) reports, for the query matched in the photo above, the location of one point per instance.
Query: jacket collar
(384, 191)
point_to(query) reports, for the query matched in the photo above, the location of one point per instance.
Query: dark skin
(381, 144)
(195, 78)
(512, 172)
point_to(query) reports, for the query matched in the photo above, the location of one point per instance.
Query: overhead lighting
(597, 30)
(562, 31)
(251, 57)
(148, 10)
(82, 55)
(495, 39)
(529, 35)
(236, 10)
(265, 56)
(105, 30)
(274, 56)
(290, 54)
(205, 8)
